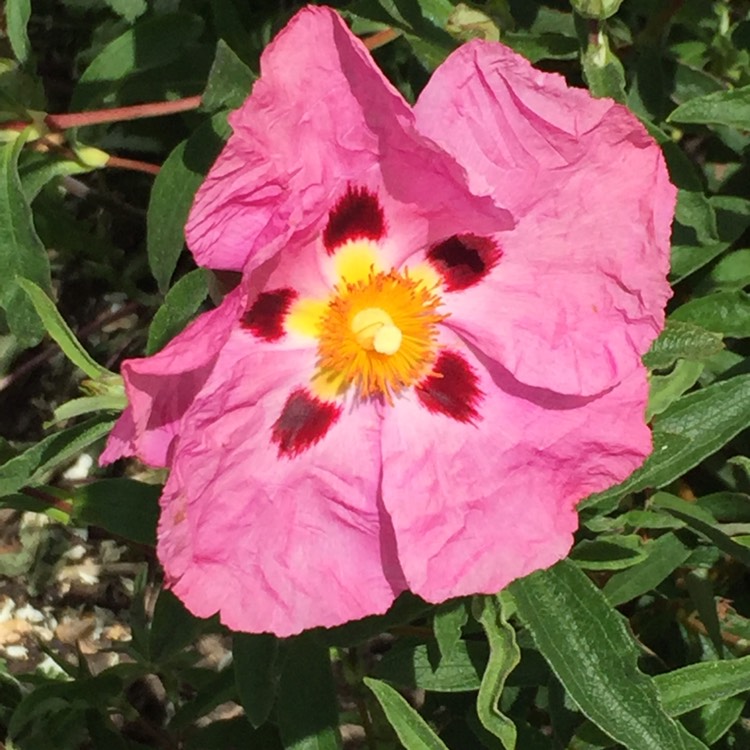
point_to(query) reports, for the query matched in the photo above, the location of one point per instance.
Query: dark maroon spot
(464, 259)
(304, 420)
(357, 215)
(452, 388)
(265, 318)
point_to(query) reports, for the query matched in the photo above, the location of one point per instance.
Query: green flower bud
(598, 9)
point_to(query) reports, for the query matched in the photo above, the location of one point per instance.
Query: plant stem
(49, 500)
(132, 164)
(381, 38)
(120, 114)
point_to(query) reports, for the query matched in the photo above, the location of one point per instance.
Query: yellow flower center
(377, 334)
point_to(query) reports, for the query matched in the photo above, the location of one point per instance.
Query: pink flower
(435, 350)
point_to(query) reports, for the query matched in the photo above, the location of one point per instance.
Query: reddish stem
(120, 114)
(49, 500)
(381, 38)
(132, 164)
(14, 125)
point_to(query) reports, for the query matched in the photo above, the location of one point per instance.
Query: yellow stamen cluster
(377, 334)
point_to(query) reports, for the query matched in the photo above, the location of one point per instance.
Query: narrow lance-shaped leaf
(693, 428)
(730, 108)
(30, 467)
(664, 555)
(594, 657)
(173, 192)
(701, 521)
(180, 304)
(682, 341)
(306, 711)
(59, 330)
(447, 622)
(256, 672)
(151, 43)
(123, 507)
(696, 685)
(504, 657)
(413, 731)
(22, 254)
(726, 313)
(17, 15)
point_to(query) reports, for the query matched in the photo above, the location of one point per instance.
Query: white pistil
(374, 330)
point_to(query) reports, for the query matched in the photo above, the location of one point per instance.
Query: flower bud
(598, 9)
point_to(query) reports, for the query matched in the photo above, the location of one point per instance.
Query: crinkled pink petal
(580, 291)
(121, 440)
(475, 506)
(300, 136)
(161, 388)
(271, 543)
(321, 117)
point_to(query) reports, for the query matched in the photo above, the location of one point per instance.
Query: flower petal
(161, 388)
(506, 122)
(275, 543)
(322, 121)
(304, 132)
(580, 291)
(494, 500)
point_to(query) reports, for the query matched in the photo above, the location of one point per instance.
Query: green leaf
(693, 210)
(17, 15)
(545, 46)
(732, 271)
(697, 685)
(701, 521)
(692, 429)
(232, 734)
(594, 657)
(730, 108)
(712, 721)
(151, 43)
(682, 341)
(37, 169)
(180, 304)
(703, 597)
(504, 657)
(256, 672)
(412, 666)
(406, 608)
(212, 692)
(229, 81)
(727, 507)
(608, 553)
(31, 466)
(413, 731)
(306, 711)
(664, 555)
(22, 254)
(123, 507)
(727, 313)
(664, 390)
(58, 329)
(447, 622)
(49, 703)
(686, 259)
(173, 192)
(79, 406)
(633, 519)
(172, 629)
